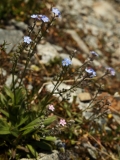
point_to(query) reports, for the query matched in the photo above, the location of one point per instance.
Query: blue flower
(43, 18)
(91, 72)
(56, 12)
(66, 62)
(40, 17)
(34, 16)
(110, 70)
(27, 39)
(94, 53)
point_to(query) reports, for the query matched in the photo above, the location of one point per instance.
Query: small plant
(29, 124)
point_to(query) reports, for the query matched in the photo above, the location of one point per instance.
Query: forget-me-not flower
(66, 62)
(56, 12)
(27, 39)
(34, 16)
(40, 17)
(110, 70)
(91, 72)
(43, 18)
(94, 53)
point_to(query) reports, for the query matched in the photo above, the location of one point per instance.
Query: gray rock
(20, 25)
(94, 21)
(45, 156)
(8, 81)
(58, 48)
(105, 10)
(50, 87)
(51, 156)
(78, 40)
(11, 37)
(92, 41)
(3, 72)
(47, 52)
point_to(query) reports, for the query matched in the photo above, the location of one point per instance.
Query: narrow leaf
(49, 120)
(31, 124)
(4, 128)
(29, 130)
(22, 121)
(9, 93)
(4, 113)
(3, 99)
(50, 138)
(32, 150)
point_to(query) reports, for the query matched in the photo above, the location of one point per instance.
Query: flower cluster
(40, 17)
(94, 53)
(91, 72)
(110, 71)
(27, 39)
(45, 18)
(56, 12)
(66, 62)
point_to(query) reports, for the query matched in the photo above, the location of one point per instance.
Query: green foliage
(25, 121)
(20, 125)
(19, 9)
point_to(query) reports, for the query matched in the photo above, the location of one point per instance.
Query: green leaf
(22, 121)
(49, 120)
(36, 123)
(4, 128)
(32, 124)
(29, 130)
(32, 150)
(22, 148)
(14, 132)
(20, 95)
(4, 113)
(3, 99)
(73, 142)
(9, 93)
(79, 120)
(50, 138)
(68, 113)
(42, 145)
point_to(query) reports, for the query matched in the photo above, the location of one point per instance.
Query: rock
(92, 41)
(58, 48)
(45, 156)
(49, 156)
(92, 150)
(8, 81)
(117, 95)
(11, 37)
(85, 96)
(104, 9)
(73, 5)
(47, 52)
(19, 25)
(3, 72)
(117, 118)
(78, 40)
(96, 22)
(50, 86)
